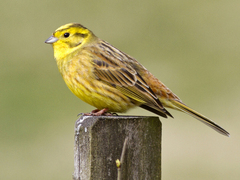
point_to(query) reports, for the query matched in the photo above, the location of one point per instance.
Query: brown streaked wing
(121, 75)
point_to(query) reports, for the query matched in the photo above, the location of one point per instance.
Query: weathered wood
(99, 143)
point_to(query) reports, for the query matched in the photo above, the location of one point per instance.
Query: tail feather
(200, 117)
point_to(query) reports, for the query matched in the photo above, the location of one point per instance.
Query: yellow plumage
(110, 80)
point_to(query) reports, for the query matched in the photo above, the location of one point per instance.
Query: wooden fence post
(99, 143)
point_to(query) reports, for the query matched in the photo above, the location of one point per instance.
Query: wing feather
(117, 72)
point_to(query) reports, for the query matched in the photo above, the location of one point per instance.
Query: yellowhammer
(110, 80)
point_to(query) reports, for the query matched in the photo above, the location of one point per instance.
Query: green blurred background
(191, 46)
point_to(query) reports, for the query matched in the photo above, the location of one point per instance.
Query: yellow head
(67, 38)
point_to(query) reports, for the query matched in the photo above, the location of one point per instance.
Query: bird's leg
(94, 111)
(102, 112)
(97, 112)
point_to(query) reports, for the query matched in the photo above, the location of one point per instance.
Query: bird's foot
(97, 112)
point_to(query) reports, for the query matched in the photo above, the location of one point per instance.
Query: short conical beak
(51, 40)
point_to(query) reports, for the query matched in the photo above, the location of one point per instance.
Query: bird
(111, 80)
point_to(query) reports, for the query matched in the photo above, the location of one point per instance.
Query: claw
(80, 114)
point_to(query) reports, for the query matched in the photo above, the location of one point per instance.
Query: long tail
(200, 117)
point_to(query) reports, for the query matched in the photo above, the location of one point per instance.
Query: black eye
(66, 35)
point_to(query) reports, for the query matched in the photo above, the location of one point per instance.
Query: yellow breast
(78, 74)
